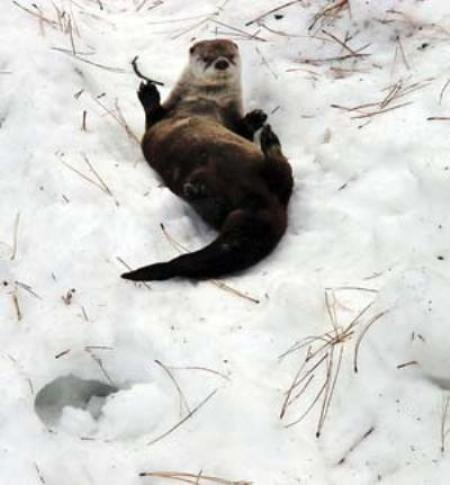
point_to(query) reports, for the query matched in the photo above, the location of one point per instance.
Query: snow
(369, 225)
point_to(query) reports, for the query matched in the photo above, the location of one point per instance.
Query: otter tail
(245, 239)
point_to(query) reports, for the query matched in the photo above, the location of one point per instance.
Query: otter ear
(235, 45)
(192, 49)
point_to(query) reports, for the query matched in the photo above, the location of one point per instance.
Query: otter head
(215, 60)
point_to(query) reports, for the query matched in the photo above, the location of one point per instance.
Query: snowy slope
(369, 225)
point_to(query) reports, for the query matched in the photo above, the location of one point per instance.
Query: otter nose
(221, 65)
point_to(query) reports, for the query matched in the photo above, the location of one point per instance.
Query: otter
(201, 145)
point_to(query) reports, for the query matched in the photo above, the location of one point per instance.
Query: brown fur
(199, 143)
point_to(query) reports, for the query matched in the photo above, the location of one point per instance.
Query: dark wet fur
(203, 153)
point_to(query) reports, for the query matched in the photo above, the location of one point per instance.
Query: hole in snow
(88, 395)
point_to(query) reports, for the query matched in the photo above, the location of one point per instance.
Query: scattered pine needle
(315, 400)
(61, 354)
(27, 288)
(17, 306)
(205, 369)
(407, 364)
(297, 381)
(340, 42)
(83, 121)
(394, 92)
(98, 347)
(39, 16)
(361, 336)
(242, 33)
(15, 235)
(22, 373)
(193, 478)
(182, 397)
(381, 111)
(183, 420)
(39, 474)
(330, 393)
(444, 88)
(118, 117)
(320, 351)
(353, 288)
(273, 10)
(329, 10)
(83, 311)
(444, 430)
(356, 444)
(117, 70)
(99, 362)
(83, 176)
(102, 183)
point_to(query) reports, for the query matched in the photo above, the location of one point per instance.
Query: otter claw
(256, 118)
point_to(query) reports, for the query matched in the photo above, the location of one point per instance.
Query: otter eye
(191, 50)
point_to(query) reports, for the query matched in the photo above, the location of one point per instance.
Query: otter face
(212, 60)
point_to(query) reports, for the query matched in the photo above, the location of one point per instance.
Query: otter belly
(178, 148)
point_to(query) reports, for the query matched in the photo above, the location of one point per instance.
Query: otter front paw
(148, 95)
(255, 119)
(268, 139)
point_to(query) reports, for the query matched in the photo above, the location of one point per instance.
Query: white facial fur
(203, 68)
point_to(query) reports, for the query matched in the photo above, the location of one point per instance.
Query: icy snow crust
(370, 210)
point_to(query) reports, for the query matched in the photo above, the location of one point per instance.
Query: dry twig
(142, 76)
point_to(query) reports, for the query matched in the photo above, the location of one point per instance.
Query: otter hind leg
(270, 142)
(200, 194)
(276, 170)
